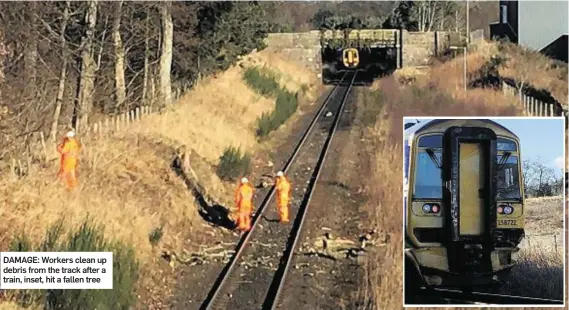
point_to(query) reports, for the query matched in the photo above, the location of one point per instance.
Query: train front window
(508, 177)
(428, 177)
(428, 172)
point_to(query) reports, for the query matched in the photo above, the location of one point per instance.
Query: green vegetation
(156, 235)
(86, 238)
(286, 103)
(261, 82)
(233, 164)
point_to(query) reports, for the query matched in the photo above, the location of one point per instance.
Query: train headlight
(435, 209)
(508, 210)
(500, 210)
(427, 208)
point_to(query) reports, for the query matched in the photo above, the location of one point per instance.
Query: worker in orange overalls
(69, 151)
(244, 202)
(282, 185)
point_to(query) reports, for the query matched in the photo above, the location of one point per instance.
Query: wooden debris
(336, 248)
(201, 257)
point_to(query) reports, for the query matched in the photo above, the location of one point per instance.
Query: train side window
(506, 145)
(508, 185)
(428, 177)
(433, 141)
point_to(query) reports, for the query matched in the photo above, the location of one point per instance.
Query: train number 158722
(507, 222)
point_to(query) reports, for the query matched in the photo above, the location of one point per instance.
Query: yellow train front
(350, 58)
(464, 203)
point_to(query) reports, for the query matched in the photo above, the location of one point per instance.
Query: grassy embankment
(437, 91)
(135, 204)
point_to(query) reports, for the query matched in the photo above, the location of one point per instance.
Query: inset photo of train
(484, 211)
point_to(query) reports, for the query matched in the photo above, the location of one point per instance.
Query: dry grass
(127, 187)
(290, 75)
(126, 182)
(544, 215)
(14, 306)
(384, 276)
(544, 75)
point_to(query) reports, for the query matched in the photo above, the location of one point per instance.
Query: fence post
(551, 109)
(137, 113)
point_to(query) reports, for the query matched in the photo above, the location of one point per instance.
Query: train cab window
(433, 141)
(506, 145)
(428, 173)
(508, 183)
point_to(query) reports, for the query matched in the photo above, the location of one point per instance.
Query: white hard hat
(244, 180)
(280, 174)
(70, 134)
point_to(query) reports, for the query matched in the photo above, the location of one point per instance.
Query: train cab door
(470, 161)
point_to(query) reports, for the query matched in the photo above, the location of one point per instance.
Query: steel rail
(220, 282)
(280, 277)
(487, 298)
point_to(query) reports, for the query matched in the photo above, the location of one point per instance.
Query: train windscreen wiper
(434, 158)
(503, 160)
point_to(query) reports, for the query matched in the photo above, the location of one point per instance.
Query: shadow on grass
(213, 213)
(538, 274)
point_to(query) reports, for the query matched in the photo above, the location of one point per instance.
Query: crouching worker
(282, 185)
(244, 202)
(69, 151)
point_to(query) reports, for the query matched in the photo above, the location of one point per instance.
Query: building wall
(541, 22)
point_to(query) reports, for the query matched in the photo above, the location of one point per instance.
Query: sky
(541, 139)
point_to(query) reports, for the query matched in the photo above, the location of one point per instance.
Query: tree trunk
(31, 48)
(166, 54)
(3, 54)
(146, 58)
(62, 75)
(120, 84)
(84, 100)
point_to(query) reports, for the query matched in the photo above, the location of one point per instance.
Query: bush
(156, 235)
(233, 164)
(261, 83)
(285, 106)
(86, 238)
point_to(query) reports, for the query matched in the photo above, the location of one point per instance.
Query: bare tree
(523, 63)
(424, 13)
(120, 84)
(84, 100)
(62, 75)
(166, 53)
(541, 180)
(146, 57)
(31, 45)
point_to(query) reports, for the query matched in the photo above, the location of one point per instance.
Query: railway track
(263, 255)
(457, 296)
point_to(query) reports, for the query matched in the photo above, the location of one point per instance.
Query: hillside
(126, 180)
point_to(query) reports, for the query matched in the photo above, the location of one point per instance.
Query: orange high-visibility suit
(69, 150)
(244, 202)
(283, 188)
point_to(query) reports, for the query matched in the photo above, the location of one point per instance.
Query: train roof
(421, 126)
